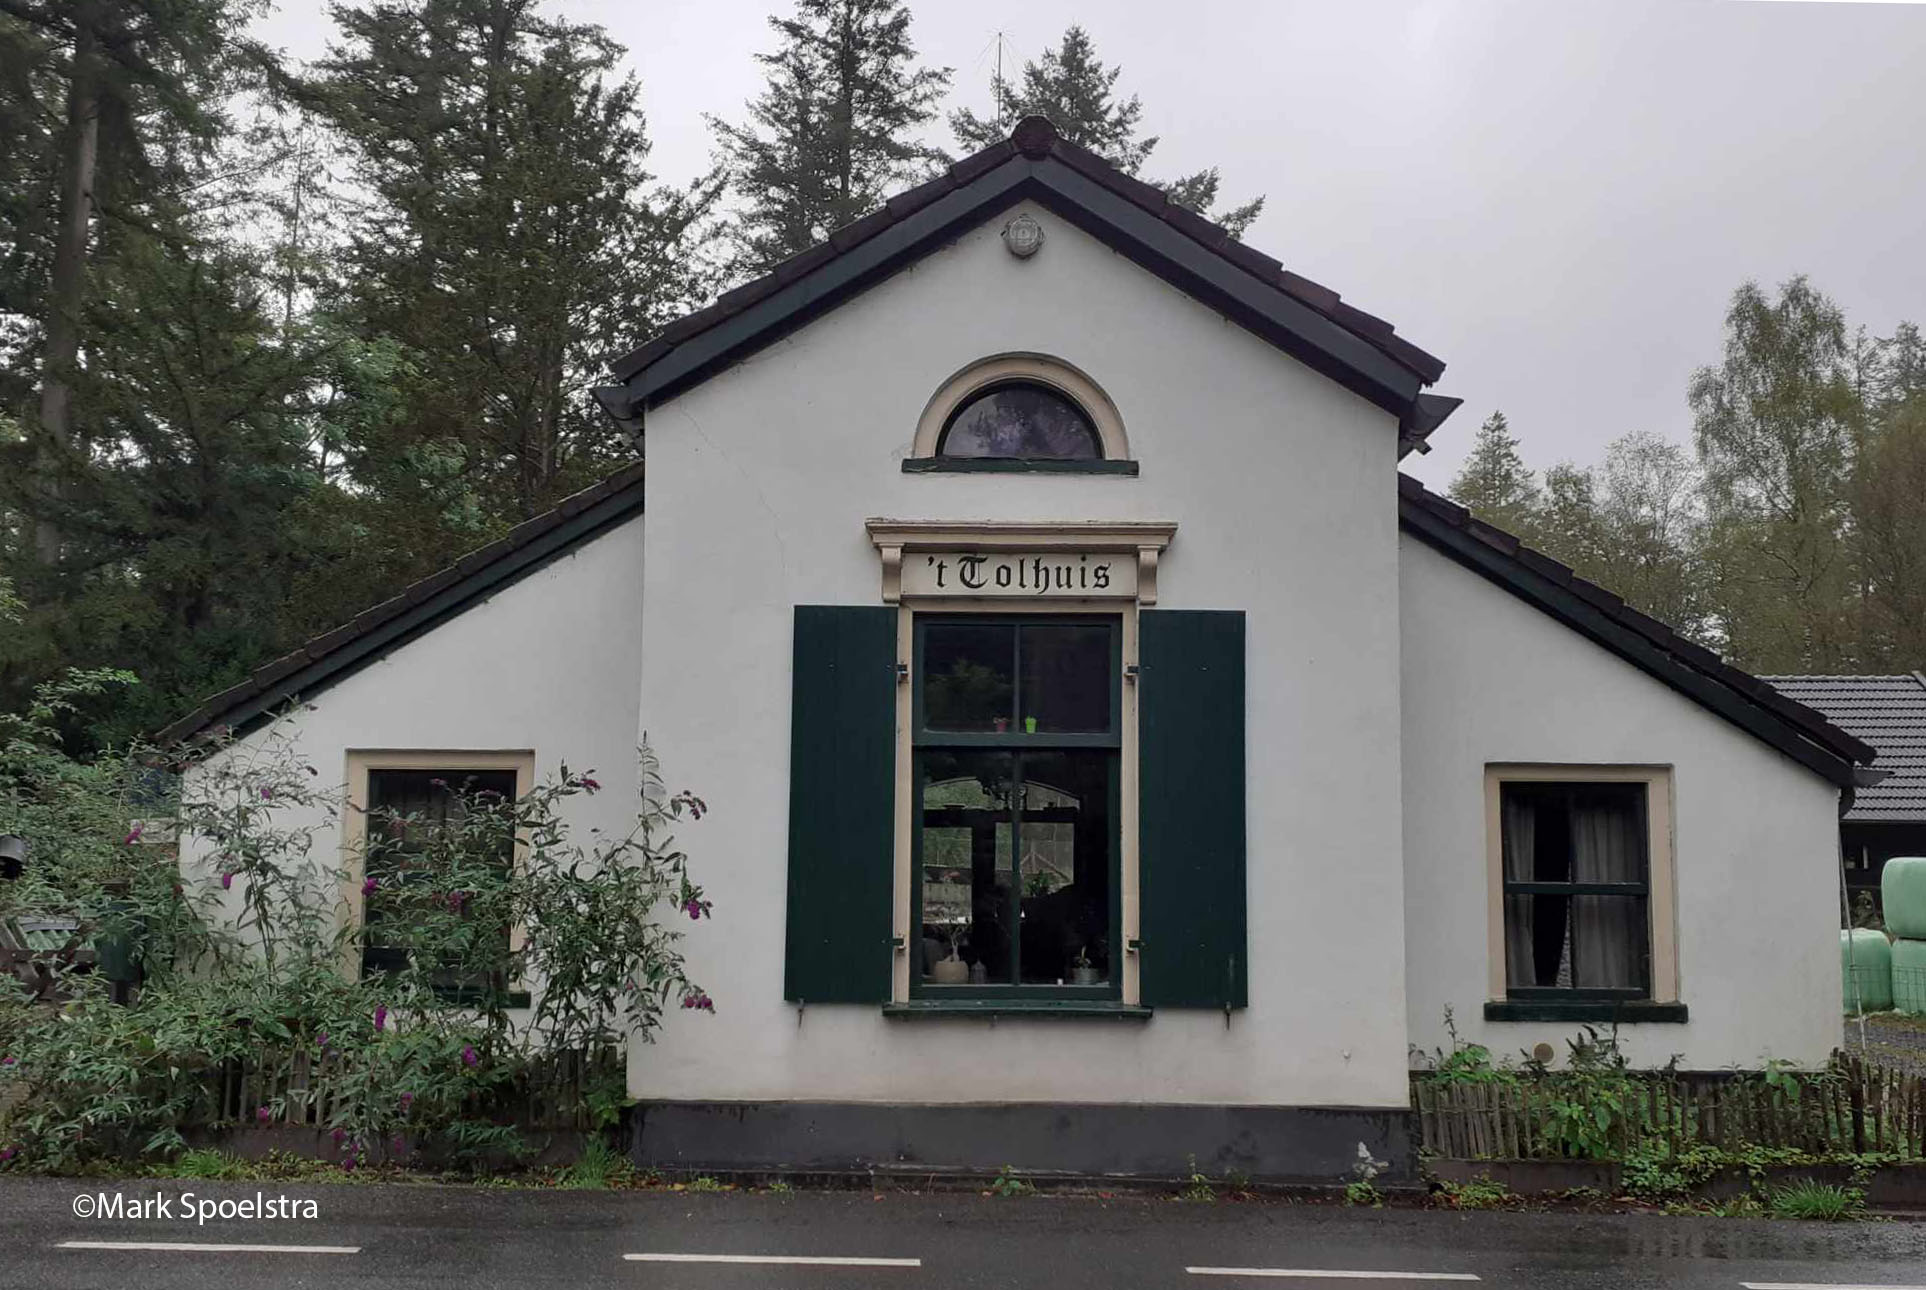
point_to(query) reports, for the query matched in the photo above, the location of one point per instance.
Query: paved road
(400, 1236)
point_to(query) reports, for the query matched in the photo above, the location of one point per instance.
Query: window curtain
(1606, 847)
(1519, 836)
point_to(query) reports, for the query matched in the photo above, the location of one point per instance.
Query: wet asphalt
(422, 1236)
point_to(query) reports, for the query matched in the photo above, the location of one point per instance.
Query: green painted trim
(1013, 466)
(1015, 1008)
(1608, 1010)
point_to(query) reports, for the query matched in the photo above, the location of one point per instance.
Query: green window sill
(1016, 1008)
(1606, 1010)
(1013, 466)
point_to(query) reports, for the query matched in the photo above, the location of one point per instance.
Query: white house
(1111, 757)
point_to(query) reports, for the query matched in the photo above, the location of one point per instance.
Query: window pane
(1030, 421)
(966, 859)
(967, 681)
(1608, 942)
(1066, 847)
(1066, 677)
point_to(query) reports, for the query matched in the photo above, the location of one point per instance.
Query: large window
(1577, 883)
(1017, 733)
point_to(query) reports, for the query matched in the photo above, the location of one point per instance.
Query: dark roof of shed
(1888, 712)
(417, 609)
(1745, 700)
(1307, 320)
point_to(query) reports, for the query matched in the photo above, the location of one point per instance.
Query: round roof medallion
(1023, 237)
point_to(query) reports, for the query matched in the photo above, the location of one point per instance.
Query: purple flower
(347, 1165)
(338, 1135)
(227, 879)
(368, 886)
(262, 1114)
(590, 784)
(6, 1154)
(6, 1061)
(468, 1057)
(381, 1017)
(321, 1039)
(133, 834)
(407, 1100)
(398, 1146)
(267, 793)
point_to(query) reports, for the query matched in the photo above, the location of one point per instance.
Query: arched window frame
(1012, 369)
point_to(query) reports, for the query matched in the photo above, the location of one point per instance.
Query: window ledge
(1610, 1010)
(1013, 1008)
(1013, 466)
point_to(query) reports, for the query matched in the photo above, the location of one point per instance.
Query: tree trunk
(67, 291)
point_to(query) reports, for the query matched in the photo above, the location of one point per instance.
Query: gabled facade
(1111, 759)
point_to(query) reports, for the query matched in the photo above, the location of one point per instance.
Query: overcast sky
(1557, 197)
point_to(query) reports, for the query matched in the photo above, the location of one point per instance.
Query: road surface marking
(201, 1247)
(808, 1260)
(1820, 1285)
(1335, 1274)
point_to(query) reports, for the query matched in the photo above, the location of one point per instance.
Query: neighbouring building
(1112, 758)
(1888, 818)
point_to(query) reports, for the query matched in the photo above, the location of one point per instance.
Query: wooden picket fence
(1855, 1106)
(300, 1088)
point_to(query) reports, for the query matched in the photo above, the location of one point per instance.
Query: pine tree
(1494, 483)
(1071, 86)
(513, 243)
(834, 132)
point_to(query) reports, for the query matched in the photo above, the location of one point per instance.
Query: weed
(1825, 1202)
(1197, 1185)
(208, 1163)
(1363, 1193)
(1006, 1183)
(1478, 1193)
(594, 1168)
(780, 1188)
(705, 1183)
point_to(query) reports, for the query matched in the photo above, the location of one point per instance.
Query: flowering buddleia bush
(511, 953)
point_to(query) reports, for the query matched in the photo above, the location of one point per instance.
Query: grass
(1478, 1193)
(1822, 1202)
(594, 1168)
(1006, 1183)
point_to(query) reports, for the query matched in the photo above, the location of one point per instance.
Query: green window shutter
(1191, 808)
(842, 819)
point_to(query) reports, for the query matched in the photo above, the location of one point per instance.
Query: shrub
(1808, 1199)
(407, 1062)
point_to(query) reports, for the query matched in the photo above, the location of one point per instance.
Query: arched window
(1022, 420)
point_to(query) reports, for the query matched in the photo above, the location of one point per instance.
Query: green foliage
(705, 1184)
(1478, 1193)
(833, 134)
(1197, 1185)
(1494, 483)
(1807, 1199)
(1071, 86)
(204, 1162)
(243, 953)
(1363, 1192)
(1461, 1062)
(1008, 1183)
(595, 1167)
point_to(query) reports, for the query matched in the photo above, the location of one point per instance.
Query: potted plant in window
(952, 970)
(1082, 971)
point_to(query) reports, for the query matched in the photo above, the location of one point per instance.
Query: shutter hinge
(902, 673)
(1133, 945)
(1132, 671)
(899, 944)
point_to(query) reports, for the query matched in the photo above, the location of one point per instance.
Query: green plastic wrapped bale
(1866, 968)
(1902, 895)
(1909, 976)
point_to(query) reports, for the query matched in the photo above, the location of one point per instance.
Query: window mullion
(1016, 868)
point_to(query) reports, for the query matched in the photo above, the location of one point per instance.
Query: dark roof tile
(1316, 295)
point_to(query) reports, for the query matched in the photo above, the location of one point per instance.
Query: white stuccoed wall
(550, 664)
(1489, 678)
(1283, 486)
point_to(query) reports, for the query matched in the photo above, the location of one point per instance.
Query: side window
(1577, 879)
(418, 820)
